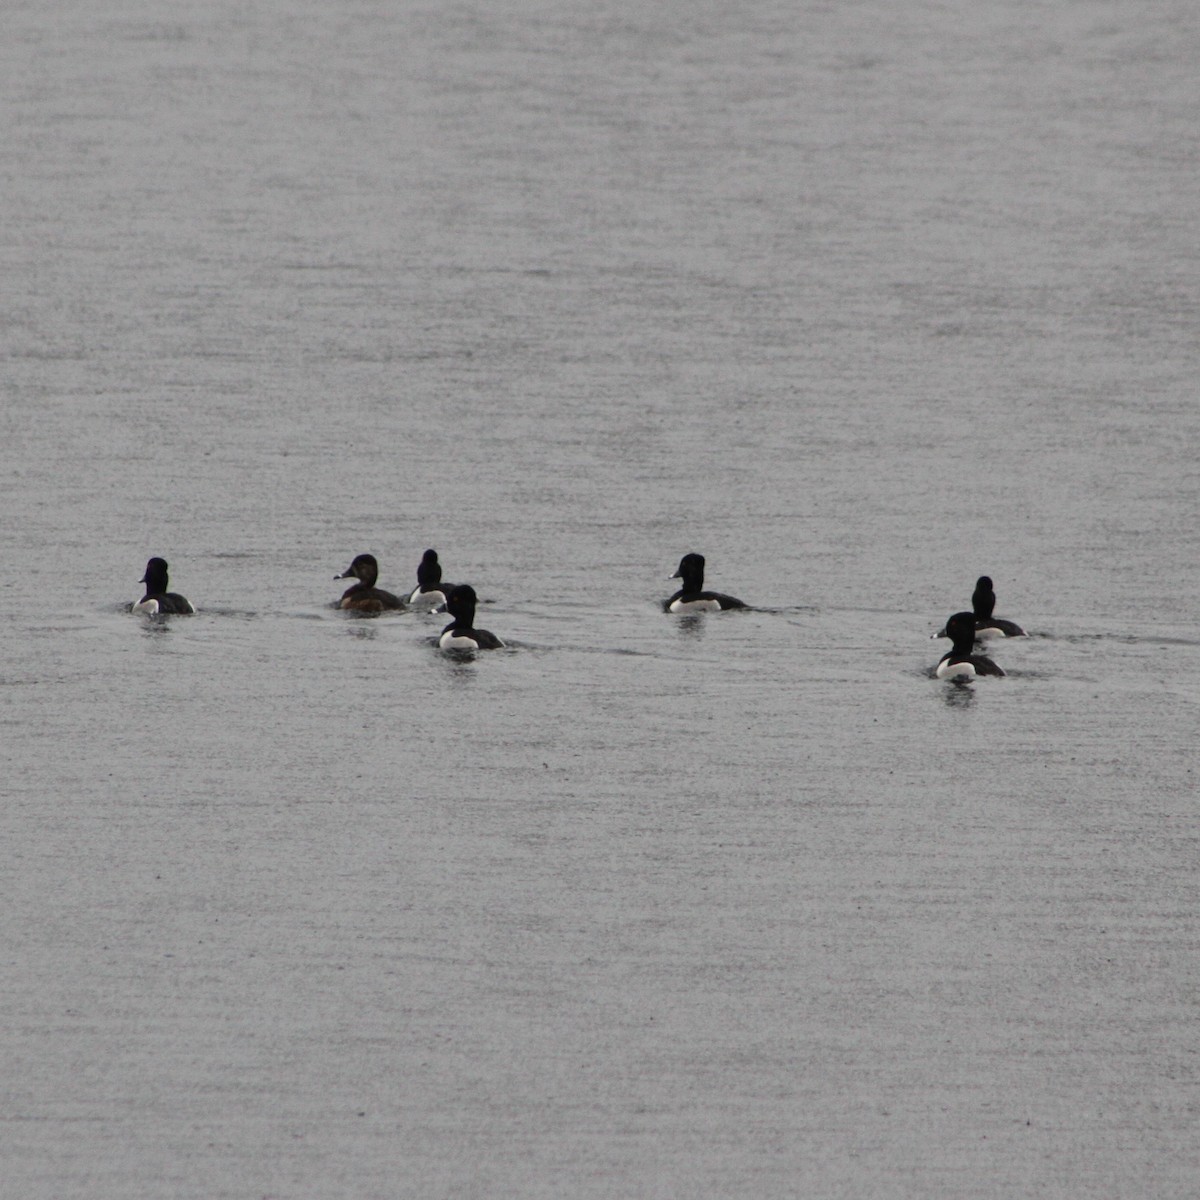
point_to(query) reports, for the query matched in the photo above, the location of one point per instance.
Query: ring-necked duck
(461, 633)
(430, 591)
(960, 663)
(983, 603)
(692, 597)
(364, 596)
(157, 599)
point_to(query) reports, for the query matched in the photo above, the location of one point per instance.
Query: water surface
(859, 301)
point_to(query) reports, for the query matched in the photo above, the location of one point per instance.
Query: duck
(364, 596)
(157, 599)
(430, 591)
(461, 633)
(959, 662)
(983, 601)
(692, 597)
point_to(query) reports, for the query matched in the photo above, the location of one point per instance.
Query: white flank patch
(992, 631)
(958, 670)
(691, 606)
(430, 600)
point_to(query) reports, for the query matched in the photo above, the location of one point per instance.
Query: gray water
(859, 300)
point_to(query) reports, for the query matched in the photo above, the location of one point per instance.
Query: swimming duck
(364, 596)
(692, 597)
(157, 599)
(983, 602)
(959, 662)
(461, 633)
(430, 591)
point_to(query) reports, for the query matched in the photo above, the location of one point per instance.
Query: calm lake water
(859, 300)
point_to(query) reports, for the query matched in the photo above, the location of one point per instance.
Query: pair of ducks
(964, 629)
(458, 600)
